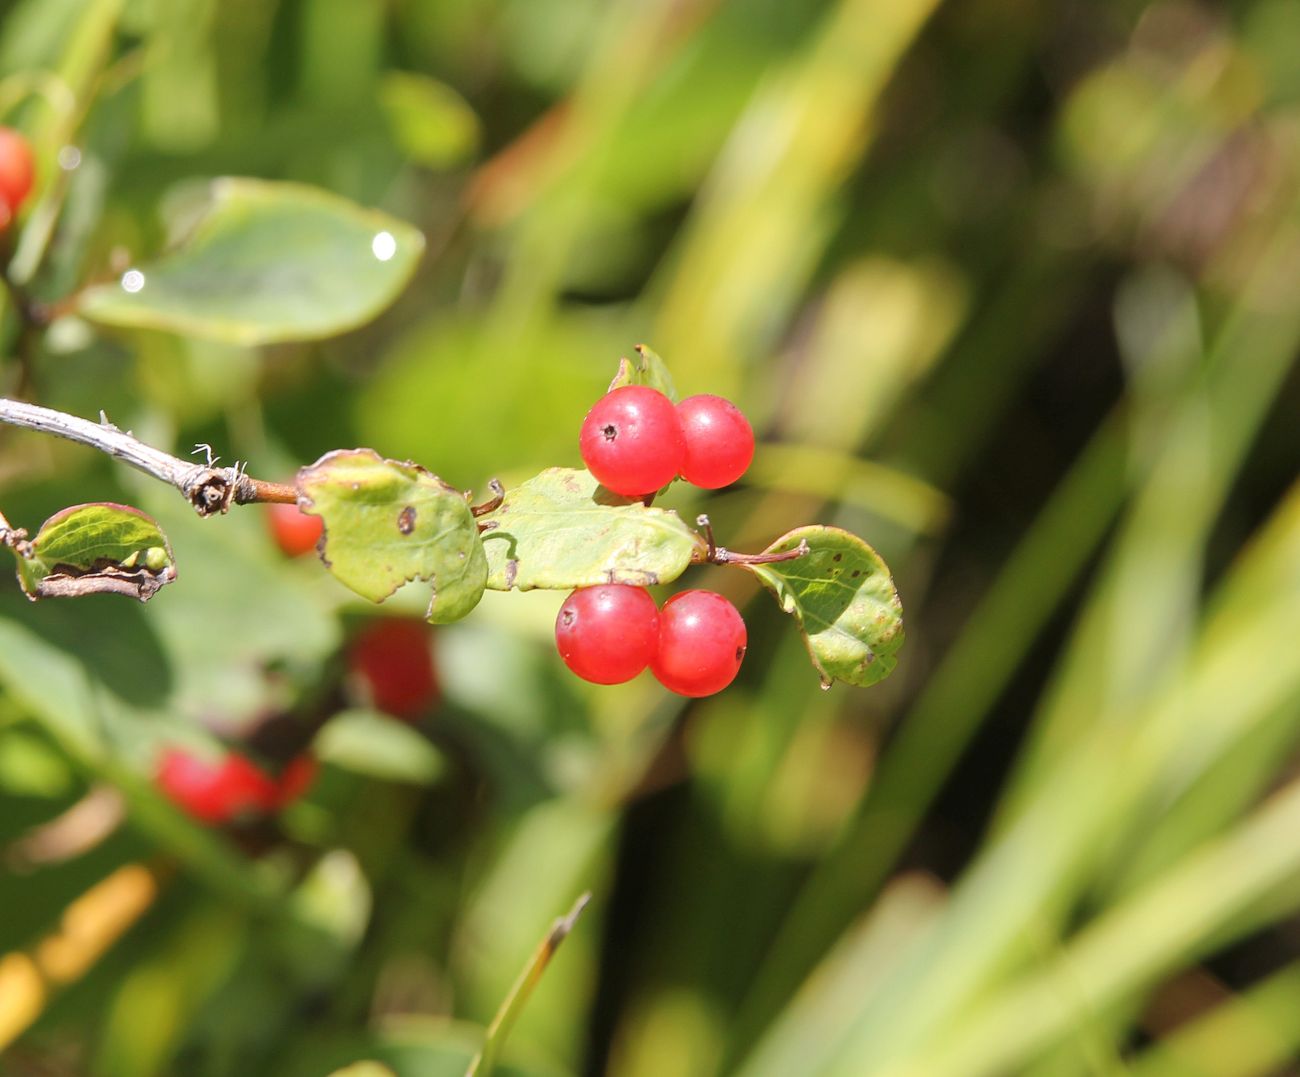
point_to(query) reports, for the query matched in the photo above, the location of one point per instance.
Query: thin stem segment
(720, 555)
(209, 489)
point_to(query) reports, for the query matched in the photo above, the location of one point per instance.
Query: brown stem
(718, 555)
(498, 495)
(259, 490)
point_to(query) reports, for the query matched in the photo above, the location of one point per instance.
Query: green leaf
(646, 369)
(430, 121)
(387, 523)
(378, 746)
(267, 262)
(99, 548)
(561, 529)
(843, 597)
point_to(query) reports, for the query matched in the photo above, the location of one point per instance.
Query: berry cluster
(635, 441)
(222, 791)
(609, 633)
(17, 172)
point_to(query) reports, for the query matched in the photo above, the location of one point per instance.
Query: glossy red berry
(702, 642)
(719, 441)
(294, 531)
(17, 171)
(607, 634)
(393, 657)
(632, 441)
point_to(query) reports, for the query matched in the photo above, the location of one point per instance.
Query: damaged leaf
(843, 598)
(562, 529)
(99, 548)
(387, 523)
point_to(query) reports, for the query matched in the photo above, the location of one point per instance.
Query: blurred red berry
(220, 790)
(394, 659)
(17, 170)
(295, 532)
(296, 778)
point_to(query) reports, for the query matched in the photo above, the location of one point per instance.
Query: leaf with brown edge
(388, 523)
(97, 548)
(843, 597)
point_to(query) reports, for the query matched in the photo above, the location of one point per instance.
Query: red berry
(607, 634)
(719, 441)
(296, 778)
(701, 643)
(294, 531)
(17, 171)
(193, 783)
(249, 789)
(215, 791)
(631, 440)
(394, 658)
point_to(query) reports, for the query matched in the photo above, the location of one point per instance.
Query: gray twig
(207, 488)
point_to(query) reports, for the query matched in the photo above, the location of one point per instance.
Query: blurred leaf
(269, 262)
(387, 523)
(149, 1014)
(379, 746)
(843, 597)
(431, 122)
(364, 1068)
(562, 529)
(646, 369)
(1200, 900)
(99, 548)
(485, 1061)
(410, 1047)
(803, 1037)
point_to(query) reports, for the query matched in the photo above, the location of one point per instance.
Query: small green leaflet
(387, 523)
(561, 529)
(99, 548)
(646, 369)
(268, 262)
(841, 594)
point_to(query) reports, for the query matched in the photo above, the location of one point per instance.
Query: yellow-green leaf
(387, 523)
(562, 529)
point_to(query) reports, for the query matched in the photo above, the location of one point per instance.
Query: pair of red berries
(17, 172)
(609, 633)
(220, 791)
(635, 441)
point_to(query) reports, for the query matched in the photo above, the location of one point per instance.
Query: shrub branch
(208, 488)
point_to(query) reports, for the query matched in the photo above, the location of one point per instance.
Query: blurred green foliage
(1007, 288)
